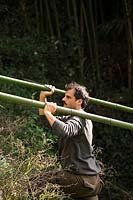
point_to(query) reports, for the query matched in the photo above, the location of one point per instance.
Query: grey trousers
(77, 186)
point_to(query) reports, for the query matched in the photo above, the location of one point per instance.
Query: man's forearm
(42, 99)
(51, 119)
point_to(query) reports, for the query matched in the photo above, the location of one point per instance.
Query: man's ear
(80, 101)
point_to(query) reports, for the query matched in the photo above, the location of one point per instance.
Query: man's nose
(63, 99)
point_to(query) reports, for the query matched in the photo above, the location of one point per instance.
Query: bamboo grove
(85, 17)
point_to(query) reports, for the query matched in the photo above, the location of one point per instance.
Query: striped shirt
(75, 147)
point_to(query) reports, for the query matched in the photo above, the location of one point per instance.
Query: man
(79, 176)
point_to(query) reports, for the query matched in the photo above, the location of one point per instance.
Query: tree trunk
(127, 5)
(49, 19)
(37, 16)
(57, 25)
(41, 16)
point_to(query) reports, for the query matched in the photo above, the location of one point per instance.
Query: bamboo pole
(44, 87)
(34, 103)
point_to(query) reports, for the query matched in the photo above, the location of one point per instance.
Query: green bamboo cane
(44, 87)
(34, 103)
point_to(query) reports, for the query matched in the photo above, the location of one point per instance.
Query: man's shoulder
(81, 120)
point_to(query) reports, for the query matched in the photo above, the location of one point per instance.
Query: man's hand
(43, 95)
(50, 107)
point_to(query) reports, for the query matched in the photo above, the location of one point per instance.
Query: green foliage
(40, 59)
(34, 137)
(24, 153)
(27, 133)
(24, 57)
(117, 165)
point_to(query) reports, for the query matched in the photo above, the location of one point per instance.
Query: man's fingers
(51, 107)
(52, 88)
(48, 93)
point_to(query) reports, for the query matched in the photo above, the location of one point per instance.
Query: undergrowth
(24, 152)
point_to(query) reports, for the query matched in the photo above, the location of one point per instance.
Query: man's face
(70, 101)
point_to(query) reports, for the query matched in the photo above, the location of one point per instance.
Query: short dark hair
(80, 92)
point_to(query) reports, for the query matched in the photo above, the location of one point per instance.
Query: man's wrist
(42, 98)
(47, 112)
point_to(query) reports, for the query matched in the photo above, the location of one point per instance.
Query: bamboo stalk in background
(37, 16)
(89, 42)
(93, 40)
(129, 41)
(37, 86)
(24, 12)
(41, 16)
(57, 24)
(21, 100)
(49, 18)
(68, 10)
(74, 3)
